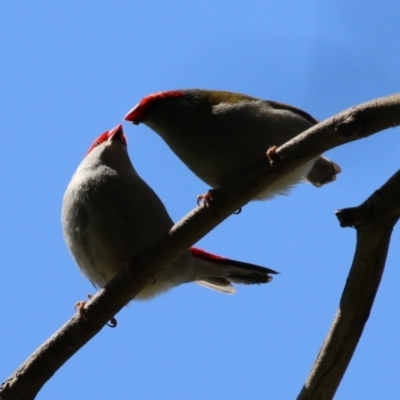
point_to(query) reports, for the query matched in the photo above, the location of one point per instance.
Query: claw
(205, 199)
(112, 323)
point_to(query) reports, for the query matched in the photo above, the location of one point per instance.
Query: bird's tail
(323, 171)
(218, 273)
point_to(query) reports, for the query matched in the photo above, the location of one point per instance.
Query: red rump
(199, 253)
(137, 114)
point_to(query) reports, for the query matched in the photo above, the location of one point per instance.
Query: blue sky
(70, 71)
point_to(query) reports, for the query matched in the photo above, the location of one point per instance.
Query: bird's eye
(96, 144)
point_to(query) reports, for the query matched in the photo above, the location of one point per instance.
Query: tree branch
(374, 221)
(353, 124)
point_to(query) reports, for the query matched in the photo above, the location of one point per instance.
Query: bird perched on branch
(110, 215)
(218, 135)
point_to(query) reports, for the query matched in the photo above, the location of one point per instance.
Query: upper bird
(219, 134)
(110, 215)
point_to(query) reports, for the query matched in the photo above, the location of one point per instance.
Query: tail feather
(215, 272)
(219, 284)
(323, 171)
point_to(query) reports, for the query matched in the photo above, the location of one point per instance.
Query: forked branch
(350, 125)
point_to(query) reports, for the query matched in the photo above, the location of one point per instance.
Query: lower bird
(110, 215)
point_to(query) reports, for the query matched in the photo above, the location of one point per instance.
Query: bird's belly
(97, 261)
(217, 170)
(287, 182)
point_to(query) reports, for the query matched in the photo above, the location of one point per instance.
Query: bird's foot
(205, 199)
(208, 199)
(80, 306)
(272, 156)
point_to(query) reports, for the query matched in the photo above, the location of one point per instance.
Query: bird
(110, 215)
(220, 134)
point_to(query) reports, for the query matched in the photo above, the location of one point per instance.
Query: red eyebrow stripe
(137, 114)
(160, 95)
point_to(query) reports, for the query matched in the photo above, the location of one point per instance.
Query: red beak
(116, 133)
(134, 115)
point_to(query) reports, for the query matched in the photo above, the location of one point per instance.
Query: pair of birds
(110, 215)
